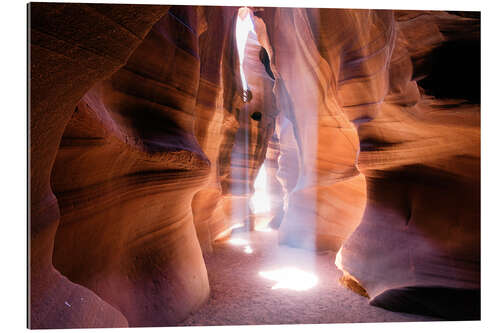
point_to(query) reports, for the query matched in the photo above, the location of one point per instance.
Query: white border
(13, 166)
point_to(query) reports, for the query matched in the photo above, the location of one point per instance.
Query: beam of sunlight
(244, 25)
(240, 165)
(291, 278)
(261, 201)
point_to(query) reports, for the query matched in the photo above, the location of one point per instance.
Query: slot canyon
(198, 165)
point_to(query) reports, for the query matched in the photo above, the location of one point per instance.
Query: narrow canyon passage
(242, 284)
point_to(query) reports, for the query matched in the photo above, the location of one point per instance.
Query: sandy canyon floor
(247, 288)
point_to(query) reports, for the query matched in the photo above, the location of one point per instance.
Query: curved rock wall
(125, 175)
(215, 119)
(421, 159)
(71, 48)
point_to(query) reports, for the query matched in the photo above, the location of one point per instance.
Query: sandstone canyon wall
(421, 158)
(71, 48)
(143, 153)
(129, 185)
(416, 248)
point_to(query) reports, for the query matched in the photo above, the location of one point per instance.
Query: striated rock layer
(214, 118)
(71, 48)
(125, 175)
(421, 159)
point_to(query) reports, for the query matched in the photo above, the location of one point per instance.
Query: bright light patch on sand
(238, 241)
(291, 278)
(242, 242)
(244, 25)
(261, 201)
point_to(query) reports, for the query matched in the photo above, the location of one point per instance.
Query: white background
(13, 164)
